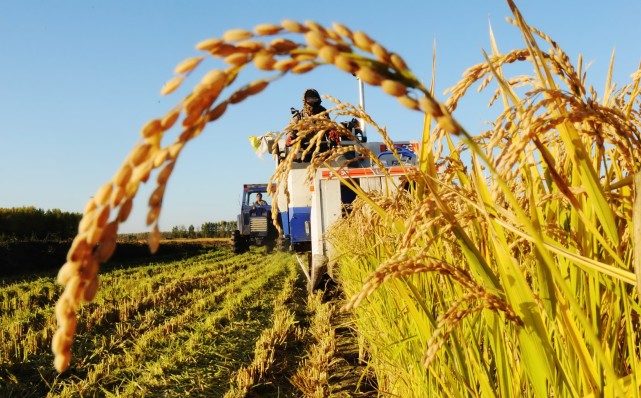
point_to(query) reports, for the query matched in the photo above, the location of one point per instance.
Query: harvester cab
(308, 208)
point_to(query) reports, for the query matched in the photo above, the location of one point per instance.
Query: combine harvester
(308, 208)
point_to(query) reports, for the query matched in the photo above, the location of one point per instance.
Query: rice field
(214, 324)
(508, 267)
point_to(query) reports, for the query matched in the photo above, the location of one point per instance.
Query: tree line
(30, 223)
(24, 223)
(219, 229)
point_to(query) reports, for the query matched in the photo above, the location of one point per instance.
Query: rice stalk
(532, 220)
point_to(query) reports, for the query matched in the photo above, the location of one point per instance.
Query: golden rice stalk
(445, 326)
(408, 102)
(264, 60)
(141, 172)
(102, 196)
(257, 86)
(121, 178)
(217, 112)
(223, 50)
(214, 81)
(369, 75)
(86, 221)
(208, 44)
(69, 269)
(156, 197)
(237, 35)
(91, 204)
(105, 249)
(93, 234)
(245, 92)
(160, 157)
(398, 62)
(447, 123)
(174, 149)
(154, 239)
(79, 249)
(285, 65)
(267, 29)
(363, 41)
(315, 39)
(250, 46)
(117, 196)
(393, 88)
(164, 174)
(170, 118)
(132, 188)
(102, 216)
(125, 210)
(305, 56)
(237, 59)
(342, 30)
(152, 128)
(315, 26)
(139, 154)
(293, 26)
(381, 53)
(346, 64)
(172, 85)
(303, 67)
(197, 102)
(188, 65)
(431, 107)
(153, 213)
(332, 35)
(328, 53)
(283, 46)
(91, 290)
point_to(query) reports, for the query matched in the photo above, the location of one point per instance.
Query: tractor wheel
(238, 243)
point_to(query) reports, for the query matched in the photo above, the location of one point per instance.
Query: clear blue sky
(78, 79)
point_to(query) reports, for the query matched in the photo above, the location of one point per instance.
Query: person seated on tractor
(259, 200)
(311, 106)
(255, 210)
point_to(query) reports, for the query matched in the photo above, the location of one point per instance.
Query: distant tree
(179, 232)
(32, 223)
(219, 229)
(209, 229)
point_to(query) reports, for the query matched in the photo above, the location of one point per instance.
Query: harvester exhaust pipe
(361, 95)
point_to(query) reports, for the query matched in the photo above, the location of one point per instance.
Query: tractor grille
(258, 224)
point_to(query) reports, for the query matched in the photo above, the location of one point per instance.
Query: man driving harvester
(311, 106)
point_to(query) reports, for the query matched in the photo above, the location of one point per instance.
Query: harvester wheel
(282, 244)
(269, 246)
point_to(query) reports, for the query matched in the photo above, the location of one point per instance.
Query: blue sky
(78, 79)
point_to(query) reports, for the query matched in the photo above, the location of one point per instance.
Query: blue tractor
(254, 224)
